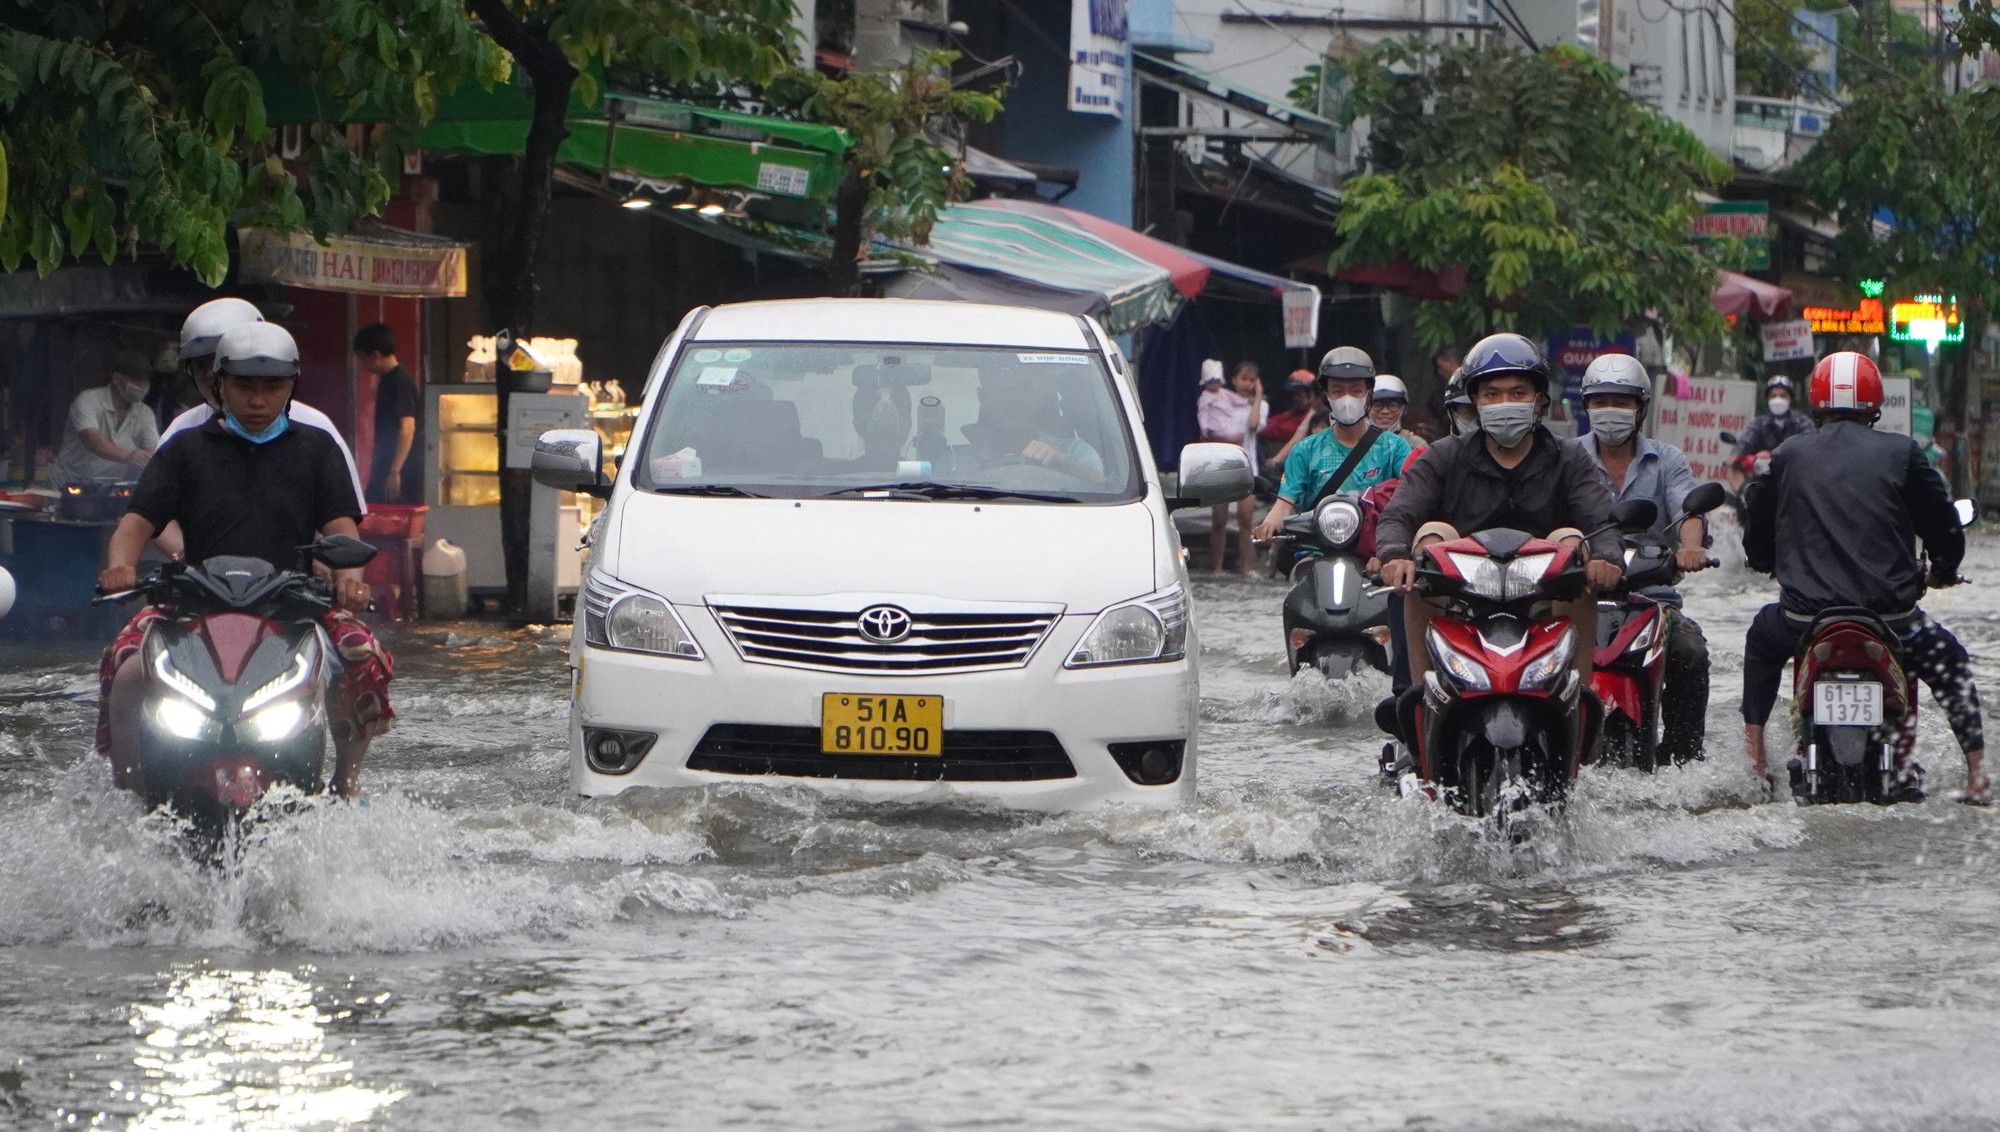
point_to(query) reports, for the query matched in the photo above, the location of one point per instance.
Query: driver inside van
(1020, 422)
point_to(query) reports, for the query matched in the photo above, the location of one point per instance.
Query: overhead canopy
(1189, 274)
(1737, 295)
(1159, 70)
(1133, 291)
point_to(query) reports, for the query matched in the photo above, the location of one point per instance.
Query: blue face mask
(271, 432)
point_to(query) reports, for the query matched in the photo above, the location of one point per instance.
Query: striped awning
(1134, 292)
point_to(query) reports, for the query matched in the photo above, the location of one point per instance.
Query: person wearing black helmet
(1774, 426)
(1325, 462)
(249, 483)
(1511, 473)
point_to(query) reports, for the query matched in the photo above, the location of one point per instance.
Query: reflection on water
(242, 1049)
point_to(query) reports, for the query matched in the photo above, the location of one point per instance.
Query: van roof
(892, 320)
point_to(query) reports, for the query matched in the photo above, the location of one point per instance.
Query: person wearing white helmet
(1616, 395)
(200, 331)
(248, 483)
(1387, 407)
(1351, 456)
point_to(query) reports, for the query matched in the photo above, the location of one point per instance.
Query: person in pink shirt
(1232, 414)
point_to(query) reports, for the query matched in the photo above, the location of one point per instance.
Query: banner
(1785, 341)
(1573, 352)
(1301, 311)
(1097, 64)
(1695, 423)
(382, 262)
(1746, 221)
(1895, 406)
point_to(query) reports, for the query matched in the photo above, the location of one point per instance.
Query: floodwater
(476, 949)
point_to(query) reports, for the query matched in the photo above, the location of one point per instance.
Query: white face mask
(1463, 426)
(1614, 426)
(1779, 406)
(1508, 422)
(1349, 410)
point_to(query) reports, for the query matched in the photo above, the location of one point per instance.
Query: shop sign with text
(433, 269)
(1745, 222)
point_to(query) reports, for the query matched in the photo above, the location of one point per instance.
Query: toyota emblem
(884, 624)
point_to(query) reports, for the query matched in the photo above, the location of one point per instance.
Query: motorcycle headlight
(1138, 632)
(1547, 668)
(1524, 574)
(180, 717)
(1644, 640)
(1456, 664)
(292, 678)
(619, 617)
(276, 723)
(1483, 576)
(1339, 521)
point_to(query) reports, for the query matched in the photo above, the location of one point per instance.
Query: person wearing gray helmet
(1616, 394)
(1326, 462)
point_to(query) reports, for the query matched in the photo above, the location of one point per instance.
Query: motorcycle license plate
(1841, 704)
(852, 723)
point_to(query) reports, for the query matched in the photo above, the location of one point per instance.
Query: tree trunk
(850, 208)
(509, 274)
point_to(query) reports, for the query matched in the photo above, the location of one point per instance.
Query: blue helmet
(1498, 354)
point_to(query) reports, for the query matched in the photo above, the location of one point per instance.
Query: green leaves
(137, 124)
(1564, 201)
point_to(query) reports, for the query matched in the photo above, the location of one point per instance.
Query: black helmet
(1498, 354)
(1454, 390)
(1346, 362)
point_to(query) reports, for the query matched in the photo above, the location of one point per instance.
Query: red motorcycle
(1629, 662)
(236, 672)
(1501, 721)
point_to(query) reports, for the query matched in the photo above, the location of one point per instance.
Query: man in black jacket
(1836, 522)
(1511, 473)
(1772, 427)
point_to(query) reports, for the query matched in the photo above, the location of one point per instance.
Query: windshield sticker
(707, 355)
(716, 375)
(735, 356)
(1053, 359)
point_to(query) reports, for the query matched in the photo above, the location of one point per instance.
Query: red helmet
(1846, 381)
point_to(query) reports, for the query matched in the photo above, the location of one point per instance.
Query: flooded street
(476, 948)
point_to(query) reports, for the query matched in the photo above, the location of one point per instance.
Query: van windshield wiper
(927, 489)
(710, 489)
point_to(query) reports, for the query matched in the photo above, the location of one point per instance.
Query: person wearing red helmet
(1836, 522)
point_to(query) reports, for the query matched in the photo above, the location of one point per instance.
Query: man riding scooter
(1770, 428)
(1616, 395)
(1353, 455)
(249, 484)
(1512, 473)
(1836, 522)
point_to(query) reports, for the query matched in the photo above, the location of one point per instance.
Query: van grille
(935, 642)
(966, 756)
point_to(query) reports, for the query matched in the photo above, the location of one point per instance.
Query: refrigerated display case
(462, 452)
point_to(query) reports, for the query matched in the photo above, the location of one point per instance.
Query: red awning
(1189, 275)
(1737, 295)
(1402, 275)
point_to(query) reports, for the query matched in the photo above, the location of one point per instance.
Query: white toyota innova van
(889, 548)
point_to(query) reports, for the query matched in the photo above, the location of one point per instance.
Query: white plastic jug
(445, 593)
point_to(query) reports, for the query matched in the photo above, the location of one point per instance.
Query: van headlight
(1338, 520)
(617, 616)
(1151, 628)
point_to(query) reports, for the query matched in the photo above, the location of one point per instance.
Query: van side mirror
(571, 459)
(1968, 512)
(1704, 499)
(341, 552)
(1213, 474)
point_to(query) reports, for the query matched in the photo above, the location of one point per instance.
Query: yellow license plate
(852, 723)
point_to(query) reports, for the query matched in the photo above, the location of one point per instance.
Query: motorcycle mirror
(1968, 514)
(1728, 437)
(1704, 499)
(340, 552)
(1635, 514)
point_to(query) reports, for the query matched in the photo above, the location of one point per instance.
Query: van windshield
(797, 420)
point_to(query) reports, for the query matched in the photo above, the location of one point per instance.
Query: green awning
(1134, 292)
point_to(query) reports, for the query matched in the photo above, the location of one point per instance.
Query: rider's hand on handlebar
(1398, 574)
(354, 595)
(1690, 560)
(117, 579)
(1601, 574)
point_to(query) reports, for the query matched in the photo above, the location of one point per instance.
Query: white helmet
(257, 349)
(1389, 387)
(204, 325)
(1618, 373)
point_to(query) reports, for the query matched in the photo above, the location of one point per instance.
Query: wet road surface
(474, 948)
